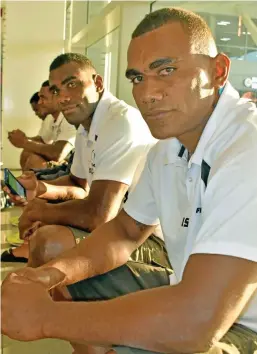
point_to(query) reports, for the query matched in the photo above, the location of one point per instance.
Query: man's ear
(221, 69)
(99, 84)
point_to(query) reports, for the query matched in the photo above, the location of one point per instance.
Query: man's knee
(48, 242)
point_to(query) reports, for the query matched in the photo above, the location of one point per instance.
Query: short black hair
(45, 83)
(72, 57)
(198, 30)
(34, 98)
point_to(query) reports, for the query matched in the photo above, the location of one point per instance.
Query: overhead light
(223, 23)
(246, 32)
(225, 39)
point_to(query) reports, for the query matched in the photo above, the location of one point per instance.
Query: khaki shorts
(148, 268)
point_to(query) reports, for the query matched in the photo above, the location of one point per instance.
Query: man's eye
(136, 79)
(55, 92)
(167, 71)
(71, 84)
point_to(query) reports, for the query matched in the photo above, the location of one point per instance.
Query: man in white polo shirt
(57, 136)
(200, 182)
(110, 151)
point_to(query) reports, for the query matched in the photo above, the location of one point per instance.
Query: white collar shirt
(57, 130)
(207, 205)
(116, 145)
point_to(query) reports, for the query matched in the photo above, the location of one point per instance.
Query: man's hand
(18, 138)
(31, 218)
(25, 308)
(30, 183)
(49, 277)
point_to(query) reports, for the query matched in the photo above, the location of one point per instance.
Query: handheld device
(13, 184)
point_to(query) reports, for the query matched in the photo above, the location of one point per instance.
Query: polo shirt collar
(228, 96)
(58, 120)
(100, 114)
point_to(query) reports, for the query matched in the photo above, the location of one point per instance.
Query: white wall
(34, 37)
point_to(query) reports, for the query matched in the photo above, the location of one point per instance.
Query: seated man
(111, 146)
(55, 139)
(40, 114)
(200, 180)
(36, 107)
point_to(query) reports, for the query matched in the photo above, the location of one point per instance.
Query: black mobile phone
(13, 184)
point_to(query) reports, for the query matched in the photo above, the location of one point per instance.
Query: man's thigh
(129, 278)
(148, 267)
(152, 251)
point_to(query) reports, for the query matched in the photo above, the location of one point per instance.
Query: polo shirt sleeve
(41, 129)
(121, 146)
(67, 132)
(46, 130)
(230, 207)
(141, 204)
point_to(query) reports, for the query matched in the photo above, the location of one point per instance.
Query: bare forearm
(62, 188)
(46, 150)
(154, 320)
(37, 139)
(99, 253)
(76, 213)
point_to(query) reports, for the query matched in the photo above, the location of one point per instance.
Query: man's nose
(151, 92)
(63, 98)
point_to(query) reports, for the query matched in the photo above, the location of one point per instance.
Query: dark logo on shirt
(198, 210)
(185, 222)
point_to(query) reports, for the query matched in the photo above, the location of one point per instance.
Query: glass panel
(95, 7)
(104, 55)
(79, 16)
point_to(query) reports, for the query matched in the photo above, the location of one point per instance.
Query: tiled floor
(8, 346)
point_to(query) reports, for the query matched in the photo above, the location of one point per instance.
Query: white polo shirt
(116, 145)
(52, 131)
(220, 218)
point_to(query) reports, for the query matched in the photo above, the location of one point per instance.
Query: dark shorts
(148, 268)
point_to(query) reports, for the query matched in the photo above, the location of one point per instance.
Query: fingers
(18, 279)
(17, 200)
(30, 231)
(6, 190)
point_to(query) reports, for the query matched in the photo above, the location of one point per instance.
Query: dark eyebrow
(154, 65)
(132, 72)
(52, 88)
(159, 62)
(69, 78)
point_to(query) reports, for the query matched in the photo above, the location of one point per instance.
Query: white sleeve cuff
(139, 217)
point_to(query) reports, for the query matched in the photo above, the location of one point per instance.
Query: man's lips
(156, 114)
(70, 108)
